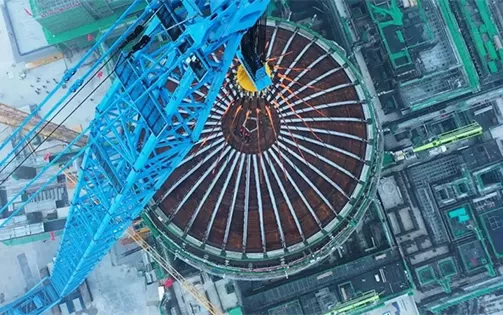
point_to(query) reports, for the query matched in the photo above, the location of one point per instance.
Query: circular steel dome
(279, 177)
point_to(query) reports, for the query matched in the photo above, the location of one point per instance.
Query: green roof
(102, 24)
(235, 311)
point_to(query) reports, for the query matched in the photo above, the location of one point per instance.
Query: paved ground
(20, 93)
(116, 289)
(19, 262)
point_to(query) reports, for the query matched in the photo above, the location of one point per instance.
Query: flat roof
(386, 275)
(421, 176)
(389, 192)
(28, 32)
(481, 154)
(493, 224)
(472, 255)
(403, 304)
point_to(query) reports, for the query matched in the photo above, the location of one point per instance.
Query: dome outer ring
(359, 206)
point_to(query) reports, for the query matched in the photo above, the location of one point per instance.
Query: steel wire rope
(52, 132)
(80, 135)
(54, 116)
(70, 73)
(65, 78)
(63, 107)
(68, 101)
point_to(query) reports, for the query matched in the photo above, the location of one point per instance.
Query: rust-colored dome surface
(280, 176)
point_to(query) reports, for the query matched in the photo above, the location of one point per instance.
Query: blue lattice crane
(143, 127)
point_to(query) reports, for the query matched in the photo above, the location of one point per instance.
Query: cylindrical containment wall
(280, 177)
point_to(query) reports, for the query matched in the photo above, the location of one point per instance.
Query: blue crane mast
(143, 128)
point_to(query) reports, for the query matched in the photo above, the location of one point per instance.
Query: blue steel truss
(142, 128)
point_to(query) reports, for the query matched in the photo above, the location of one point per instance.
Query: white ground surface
(389, 193)
(25, 26)
(20, 93)
(116, 289)
(403, 304)
(38, 254)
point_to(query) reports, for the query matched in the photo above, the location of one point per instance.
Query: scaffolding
(58, 16)
(389, 20)
(484, 34)
(421, 176)
(71, 21)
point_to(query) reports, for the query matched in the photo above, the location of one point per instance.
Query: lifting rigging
(142, 128)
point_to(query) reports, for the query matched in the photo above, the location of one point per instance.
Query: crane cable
(150, 250)
(138, 29)
(139, 45)
(198, 296)
(50, 134)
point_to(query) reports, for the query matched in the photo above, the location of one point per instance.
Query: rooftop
(389, 193)
(482, 154)
(420, 177)
(413, 55)
(382, 273)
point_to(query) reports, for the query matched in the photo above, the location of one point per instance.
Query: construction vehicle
(142, 128)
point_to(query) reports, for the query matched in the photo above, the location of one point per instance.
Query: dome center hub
(251, 125)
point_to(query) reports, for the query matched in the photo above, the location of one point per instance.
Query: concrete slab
(406, 219)
(27, 30)
(29, 280)
(394, 223)
(21, 266)
(117, 290)
(403, 304)
(389, 192)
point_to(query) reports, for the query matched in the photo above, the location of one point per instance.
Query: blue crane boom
(142, 129)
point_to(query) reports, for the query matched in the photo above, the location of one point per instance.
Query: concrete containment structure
(280, 177)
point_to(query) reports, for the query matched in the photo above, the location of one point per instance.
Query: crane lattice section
(142, 129)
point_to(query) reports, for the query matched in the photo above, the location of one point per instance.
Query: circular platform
(280, 177)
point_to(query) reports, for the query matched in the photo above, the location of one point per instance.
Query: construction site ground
(115, 289)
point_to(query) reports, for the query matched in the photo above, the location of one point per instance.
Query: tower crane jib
(142, 128)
